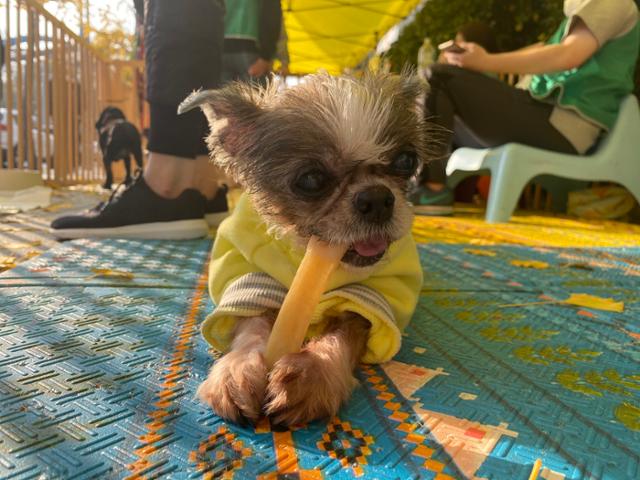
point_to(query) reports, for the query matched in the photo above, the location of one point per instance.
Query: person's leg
(169, 175)
(175, 141)
(183, 53)
(161, 203)
(184, 163)
(210, 180)
(492, 112)
(208, 177)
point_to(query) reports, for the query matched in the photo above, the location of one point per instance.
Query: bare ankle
(207, 176)
(169, 175)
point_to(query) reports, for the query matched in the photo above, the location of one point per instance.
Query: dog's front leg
(107, 161)
(127, 168)
(314, 383)
(235, 387)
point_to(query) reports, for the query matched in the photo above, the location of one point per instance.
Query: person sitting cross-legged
(579, 79)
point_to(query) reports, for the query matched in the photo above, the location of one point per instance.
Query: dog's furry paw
(235, 387)
(306, 386)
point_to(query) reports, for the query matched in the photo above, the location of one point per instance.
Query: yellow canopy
(337, 34)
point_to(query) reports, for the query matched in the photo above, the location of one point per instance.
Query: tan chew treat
(537, 465)
(309, 283)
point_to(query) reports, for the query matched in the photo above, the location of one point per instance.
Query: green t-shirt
(596, 88)
(588, 98)
(242, 20)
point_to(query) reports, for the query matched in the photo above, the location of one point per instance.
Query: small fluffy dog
(332, 157)
(119, 139)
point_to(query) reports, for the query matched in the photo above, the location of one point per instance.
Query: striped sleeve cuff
(255, 293)
(385, 337)
(252, 294)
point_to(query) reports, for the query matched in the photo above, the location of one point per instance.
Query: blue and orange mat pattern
(100, 356)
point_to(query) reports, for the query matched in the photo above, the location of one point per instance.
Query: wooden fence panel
(54, 86)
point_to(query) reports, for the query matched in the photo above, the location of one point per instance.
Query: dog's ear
(115, 113)
(235, 113)
(233, 102)
(108, 114)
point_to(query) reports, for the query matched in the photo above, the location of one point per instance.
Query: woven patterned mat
(100, 356)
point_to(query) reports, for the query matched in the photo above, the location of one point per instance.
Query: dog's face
(331, 157)
(109, 114)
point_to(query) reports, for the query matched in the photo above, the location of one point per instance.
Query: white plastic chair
(512, 166)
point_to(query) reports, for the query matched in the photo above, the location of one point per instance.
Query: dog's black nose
(375, 204)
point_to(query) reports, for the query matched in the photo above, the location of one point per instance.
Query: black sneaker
(136, 211)
(217, 209)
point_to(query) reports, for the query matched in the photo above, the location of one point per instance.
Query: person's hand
(474, 58)
(284, 70)
(442, 58)
(259, 68)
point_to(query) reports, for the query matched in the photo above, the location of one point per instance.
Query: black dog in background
(119, 139)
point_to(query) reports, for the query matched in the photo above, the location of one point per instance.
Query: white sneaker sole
(215, 219)
(433, 210)
(178, 230)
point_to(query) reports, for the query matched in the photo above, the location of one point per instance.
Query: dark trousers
(484, 112)
(179, 135)
(183, 53)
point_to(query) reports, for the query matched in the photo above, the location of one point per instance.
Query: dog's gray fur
(265, 137)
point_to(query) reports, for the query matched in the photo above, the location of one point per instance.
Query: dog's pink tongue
(370, 248)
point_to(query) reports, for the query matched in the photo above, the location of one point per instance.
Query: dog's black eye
(312, 183)
(404, 164)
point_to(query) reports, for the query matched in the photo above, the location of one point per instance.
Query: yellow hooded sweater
(251, 271)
